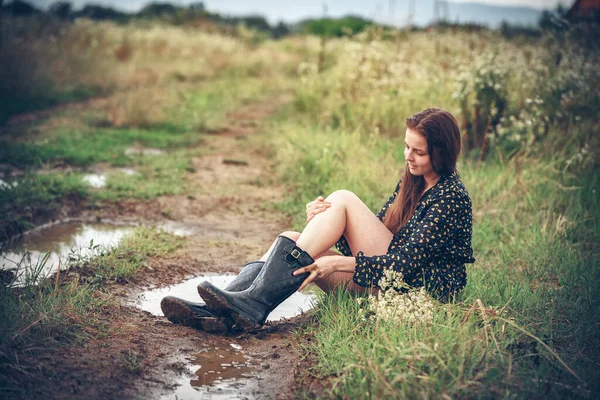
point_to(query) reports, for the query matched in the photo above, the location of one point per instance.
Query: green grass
(154, 176)
(535, 239)
(130, 257)
(84, 147)
(206, 108)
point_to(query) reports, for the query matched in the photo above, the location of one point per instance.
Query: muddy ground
(229, 221)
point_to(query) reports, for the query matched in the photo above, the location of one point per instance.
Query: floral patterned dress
(432, 248)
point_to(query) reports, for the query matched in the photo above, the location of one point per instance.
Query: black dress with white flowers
(432, 248)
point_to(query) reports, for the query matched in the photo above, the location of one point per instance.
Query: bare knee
(341, 196)
(291, 235)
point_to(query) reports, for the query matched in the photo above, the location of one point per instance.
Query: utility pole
(411, 12)
(392, 11)
(445, 11)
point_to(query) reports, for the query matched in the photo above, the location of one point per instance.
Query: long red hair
(443, 145)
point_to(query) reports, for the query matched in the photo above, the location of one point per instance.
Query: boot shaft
(246, 276)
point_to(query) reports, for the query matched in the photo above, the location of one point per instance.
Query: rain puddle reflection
(98, 180)
(223, 374)
(149, 300)
(61, 240)
(144, 151)
(218, 374)
(95, 180)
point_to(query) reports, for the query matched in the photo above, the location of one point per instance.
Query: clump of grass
(135, 109)
(41, 315)
(132, 255)
(131, 362)
(326, 160)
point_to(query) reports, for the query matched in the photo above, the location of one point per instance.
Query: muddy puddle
(95, 180)
(150, 299)
(217, 374)
(61, 241)
(98, 180)
(144, 151)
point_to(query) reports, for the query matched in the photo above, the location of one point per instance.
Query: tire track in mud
(229, 221)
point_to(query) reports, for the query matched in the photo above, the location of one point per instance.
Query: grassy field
(525, 325)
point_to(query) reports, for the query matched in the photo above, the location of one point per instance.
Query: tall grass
(40, 314)
(525, 324)
(48, 62)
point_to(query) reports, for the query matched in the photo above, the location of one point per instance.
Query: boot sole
(219, 304)
(178, 313)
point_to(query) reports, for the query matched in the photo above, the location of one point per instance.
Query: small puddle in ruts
(144, 151)
(95, 180)
(98, 180)
(61, 241)
(223, 374)
(219, 374)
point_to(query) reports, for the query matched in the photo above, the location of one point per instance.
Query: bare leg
(289, 234)
(347, 216)
(332, 282)
(350, 217)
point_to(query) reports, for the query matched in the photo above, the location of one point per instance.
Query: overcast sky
(292, 11)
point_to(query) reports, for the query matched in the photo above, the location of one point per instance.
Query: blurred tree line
(197, 15)
(192, 14)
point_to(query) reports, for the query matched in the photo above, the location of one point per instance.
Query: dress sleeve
(431, 236)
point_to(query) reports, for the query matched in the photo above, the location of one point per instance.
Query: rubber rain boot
(249, 308)
(197, 315)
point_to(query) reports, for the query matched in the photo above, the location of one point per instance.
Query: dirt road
(229, 221)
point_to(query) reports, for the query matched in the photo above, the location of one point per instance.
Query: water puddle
(179, 228)
(217, 374)
(144, 151)
(95, 180)
(150, 299)
(98, 180)
(62, 241)
(127, 171)
(8, 185)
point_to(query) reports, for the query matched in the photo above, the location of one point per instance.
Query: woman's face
(417, 155)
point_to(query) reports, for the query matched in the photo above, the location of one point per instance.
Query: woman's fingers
(316, 208)
(308, 280)
(314, 273)
(318, 200)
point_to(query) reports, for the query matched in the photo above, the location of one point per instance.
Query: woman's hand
(315, 207)
(320, 269)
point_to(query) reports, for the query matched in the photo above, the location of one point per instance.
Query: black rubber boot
(197, 315)
(249, 308)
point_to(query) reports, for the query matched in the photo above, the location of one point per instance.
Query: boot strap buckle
(295, 253)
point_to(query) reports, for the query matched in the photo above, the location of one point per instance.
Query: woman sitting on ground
(423, 232)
